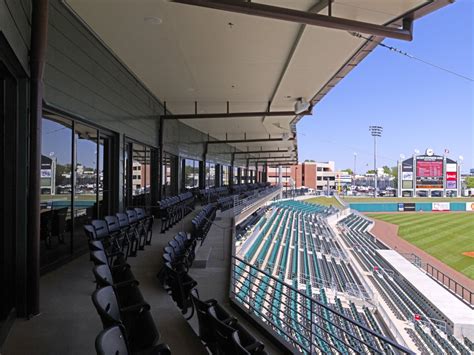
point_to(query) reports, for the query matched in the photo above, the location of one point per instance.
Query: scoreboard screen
(429, 168)
(429, 174)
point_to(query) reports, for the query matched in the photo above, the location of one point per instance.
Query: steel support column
(39, 38)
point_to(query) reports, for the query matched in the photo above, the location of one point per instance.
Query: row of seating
(400, 296)
(202, 222)
(220, 333)
(128, 326)
(125, 232)
(172, 209)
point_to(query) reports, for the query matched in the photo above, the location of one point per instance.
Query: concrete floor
(68, 323)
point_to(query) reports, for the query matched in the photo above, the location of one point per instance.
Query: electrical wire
(396, 50)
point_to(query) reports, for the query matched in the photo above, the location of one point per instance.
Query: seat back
(90, 232)
(223, 333)
(105, 302)
(103, 276)
(132, 216)
(112, 224)
(140, 212)
(101, 229)
(95, 245)
(122, 219)
(206, 329)
(99, 257)
(111, 341)
(176, 247)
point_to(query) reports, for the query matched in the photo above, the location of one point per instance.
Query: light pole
(355, 164)
(375, 131)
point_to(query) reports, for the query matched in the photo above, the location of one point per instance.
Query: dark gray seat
(113, 341)
(136, 319)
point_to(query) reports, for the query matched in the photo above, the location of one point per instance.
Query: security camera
(301, 105)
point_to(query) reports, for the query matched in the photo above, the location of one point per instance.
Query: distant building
(320, 176)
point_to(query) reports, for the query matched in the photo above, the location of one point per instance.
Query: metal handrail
(314, 305)
(446, 281)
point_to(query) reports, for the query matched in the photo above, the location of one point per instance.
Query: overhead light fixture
(153, 20)
(301, 105)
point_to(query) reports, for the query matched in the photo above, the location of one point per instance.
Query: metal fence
(308, 325)
(464, 293)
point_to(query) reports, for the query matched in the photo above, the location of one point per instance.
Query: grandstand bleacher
(429, 328)
(293, 269)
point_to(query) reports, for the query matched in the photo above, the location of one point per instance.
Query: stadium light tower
(375, 131)
(355, 164)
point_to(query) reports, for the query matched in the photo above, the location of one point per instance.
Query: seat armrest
(128, 283)
(140, 307)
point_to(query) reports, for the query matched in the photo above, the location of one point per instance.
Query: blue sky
(418, 106)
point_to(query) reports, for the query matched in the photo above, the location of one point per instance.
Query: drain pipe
(39, 33)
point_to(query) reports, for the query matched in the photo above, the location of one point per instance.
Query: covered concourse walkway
(106, 106)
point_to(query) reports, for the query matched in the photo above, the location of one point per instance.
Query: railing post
(311, 325)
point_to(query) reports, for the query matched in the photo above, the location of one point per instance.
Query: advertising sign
(407, 165)
(407, 184)
(45, 173)
(451, 184)
(451, 180)
(409, 207)
(469, 206)
(400, 207)
(450, 167)
(407, 175)
(441, 206)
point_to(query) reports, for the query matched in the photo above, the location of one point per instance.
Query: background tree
(470, 182)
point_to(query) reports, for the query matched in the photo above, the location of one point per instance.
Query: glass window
(235, 178)
(86, 179)
(191, 173)
(225, 175)
(56, 189)
(169, 175)
(210, 174)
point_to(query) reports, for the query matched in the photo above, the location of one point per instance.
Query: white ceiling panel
(211, 56)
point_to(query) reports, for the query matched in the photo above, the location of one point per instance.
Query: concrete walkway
(69, 324)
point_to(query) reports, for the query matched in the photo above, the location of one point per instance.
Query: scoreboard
(429, 172)
(429, 168)
(432, 174)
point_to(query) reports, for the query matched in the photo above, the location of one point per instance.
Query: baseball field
(449, 237)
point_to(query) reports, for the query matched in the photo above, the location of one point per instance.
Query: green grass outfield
(325, 201)
(354, 199)
(443, 235)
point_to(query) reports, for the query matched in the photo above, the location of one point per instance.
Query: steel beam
(261, 151)
(201, 116)
(303, 17)
(266, 158)
(235, 141)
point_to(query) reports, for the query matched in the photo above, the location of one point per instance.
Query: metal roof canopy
(260, 65)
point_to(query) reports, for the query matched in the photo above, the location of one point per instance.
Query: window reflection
(225, 175)
(210, 174)
(56, 188)
(191, 173)
(169, 174)
(235, 177)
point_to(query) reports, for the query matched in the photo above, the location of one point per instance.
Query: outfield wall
(412, 207)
